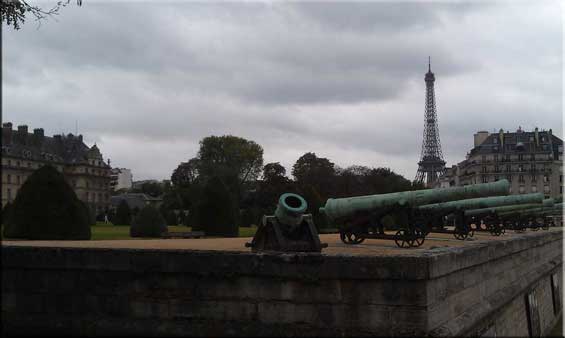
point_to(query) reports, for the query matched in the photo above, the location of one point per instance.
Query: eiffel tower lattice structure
(431, 164)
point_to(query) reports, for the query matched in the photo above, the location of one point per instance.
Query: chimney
(57, 138)
(480, 137)
(80, 137)
(22, 134)
(38, 136)
(7, 133)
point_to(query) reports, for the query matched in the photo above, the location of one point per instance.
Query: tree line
(254, 187)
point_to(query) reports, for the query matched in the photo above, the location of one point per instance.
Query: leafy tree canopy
(234, 159)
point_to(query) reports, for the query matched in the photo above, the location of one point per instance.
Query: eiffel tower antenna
(431, 164)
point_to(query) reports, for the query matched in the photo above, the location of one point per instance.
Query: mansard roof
(68, 149)
(520, 142)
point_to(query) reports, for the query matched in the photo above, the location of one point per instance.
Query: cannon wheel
(419, 237)
(402, 239)
(496, 230)
(350, 237)
(461, 234)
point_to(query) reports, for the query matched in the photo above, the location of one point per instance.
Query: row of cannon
(460, 211)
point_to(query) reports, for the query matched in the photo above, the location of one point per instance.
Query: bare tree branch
(13, 12)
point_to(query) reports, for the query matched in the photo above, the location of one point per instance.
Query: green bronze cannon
(433, 216)
(520, 217)
(487, 219)
(289, 229)
(361, 216)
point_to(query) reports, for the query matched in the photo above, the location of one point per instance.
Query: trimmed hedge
(148, 223)
(47, 208)
(216, 212)
(123, 214)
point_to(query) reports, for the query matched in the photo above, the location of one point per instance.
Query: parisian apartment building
(83, 167)
(532, 161)
(121, 178)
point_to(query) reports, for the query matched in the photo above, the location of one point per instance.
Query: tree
(233, 159)
(148, 223)
(216, 212)
(186, 173)
(46, 207)
(123, 214)
(316, 171)
(273, 185)
(13, 12)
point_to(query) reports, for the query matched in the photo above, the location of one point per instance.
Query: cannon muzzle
(290, 209)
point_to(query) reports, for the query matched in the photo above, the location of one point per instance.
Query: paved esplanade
(335, 246)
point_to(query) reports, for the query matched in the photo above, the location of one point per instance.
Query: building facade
(83, 167)
(530, 161)
(121, 178)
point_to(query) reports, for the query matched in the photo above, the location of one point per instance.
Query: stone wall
(473, 290)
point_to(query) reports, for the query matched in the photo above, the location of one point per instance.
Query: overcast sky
(147, 81)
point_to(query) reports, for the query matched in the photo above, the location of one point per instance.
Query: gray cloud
(147, 81)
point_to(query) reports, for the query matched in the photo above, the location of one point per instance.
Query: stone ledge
(416, 265)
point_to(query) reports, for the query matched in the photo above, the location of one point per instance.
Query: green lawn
(102, 231)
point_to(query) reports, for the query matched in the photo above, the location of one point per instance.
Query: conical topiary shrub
(216, 210)
(123, 214)
(46, 207)
(148, 223)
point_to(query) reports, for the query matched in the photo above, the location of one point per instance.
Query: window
(520, 157)
(484, 169)
(533, 167)
(496, 169)
(546, 188)
(534, 188)
(508, 168)
(87, 185)
(507, 157)
(485, 179)
(532, 157)
(9, 191)
(520, 168)
(534, 178)
(521, 178)
(484, 158)
(495, 158)
(9, 178)
(29, 164)
(18, 163)
(18, 179)
(560, 178)
(561, 189)
(509, 178)
(9, 163)
(522, 189)
(546, 178)
(495, 140)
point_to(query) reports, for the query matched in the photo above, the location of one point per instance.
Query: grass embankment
(102, 231)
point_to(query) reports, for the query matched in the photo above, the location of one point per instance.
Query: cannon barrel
(546, 203)
(290, 209)
(341, 207)
(557, 208)
(483, 202)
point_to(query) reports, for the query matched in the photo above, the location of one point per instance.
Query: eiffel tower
(431, 164)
